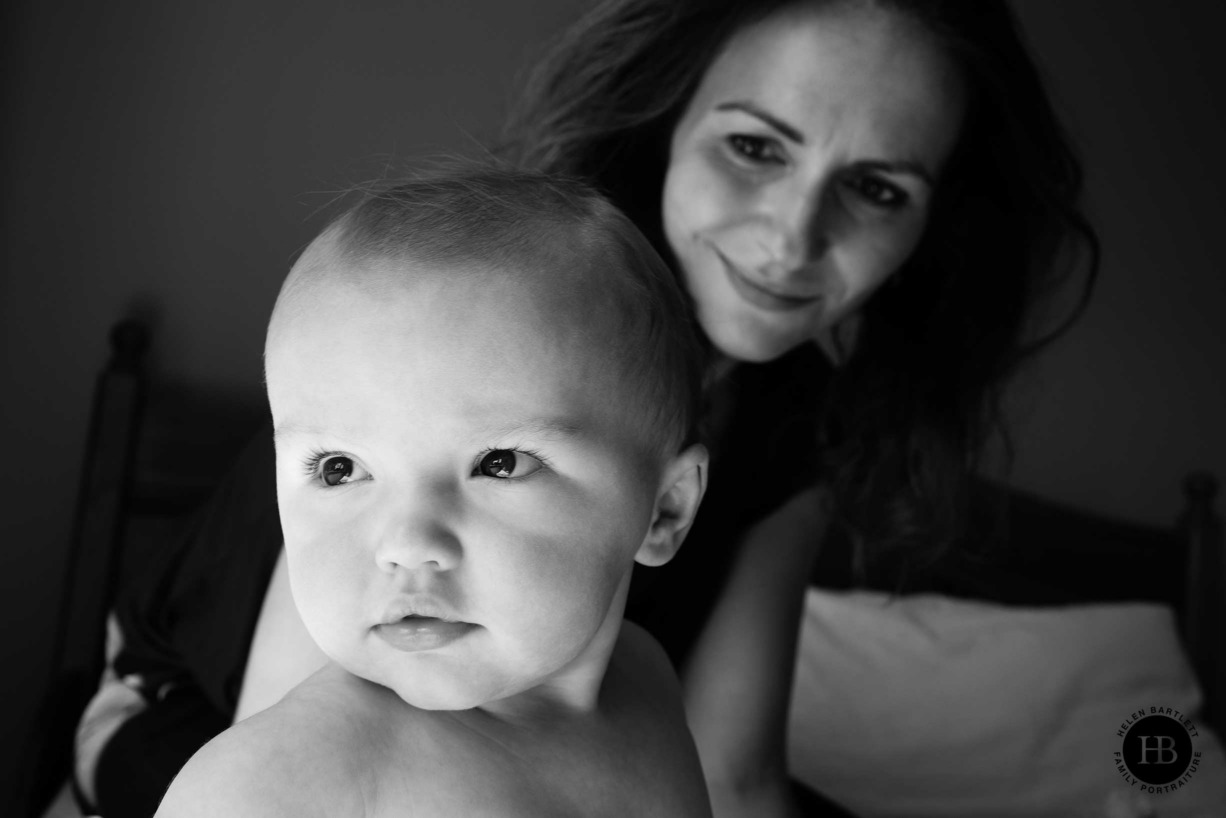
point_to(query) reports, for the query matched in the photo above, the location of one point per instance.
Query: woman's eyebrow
(912, 167)
(790, 131)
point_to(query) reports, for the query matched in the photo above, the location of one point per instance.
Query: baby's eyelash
(334, 469)
(310, 465)
(315, 459)
(505, 463)
(544, 461)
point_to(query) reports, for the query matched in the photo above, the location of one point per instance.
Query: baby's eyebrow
(291, 429)
(284, 430)
(542, 427)
(537, 427)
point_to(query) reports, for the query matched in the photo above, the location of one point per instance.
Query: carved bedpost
(91, 566)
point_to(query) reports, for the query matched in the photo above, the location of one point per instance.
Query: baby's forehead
(481, 321)
(557, 283)
(484, 315)
(563, 316)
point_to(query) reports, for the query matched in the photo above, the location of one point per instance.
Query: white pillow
(930, 706)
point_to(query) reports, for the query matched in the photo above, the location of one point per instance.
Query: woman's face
(802, 172)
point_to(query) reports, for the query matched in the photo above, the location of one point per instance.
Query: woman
(885, 179)
(865, 201)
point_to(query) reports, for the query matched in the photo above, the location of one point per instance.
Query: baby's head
(483, 387)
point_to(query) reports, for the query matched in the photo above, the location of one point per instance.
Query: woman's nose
(419, 534)
(799, 222)
(783, 236)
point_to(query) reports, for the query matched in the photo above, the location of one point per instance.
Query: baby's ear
(681, 488)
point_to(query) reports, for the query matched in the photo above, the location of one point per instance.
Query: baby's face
(461, 500)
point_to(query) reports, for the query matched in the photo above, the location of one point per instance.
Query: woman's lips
(760, 296)
(414, 633)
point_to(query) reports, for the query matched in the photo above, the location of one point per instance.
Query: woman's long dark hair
(909, 415)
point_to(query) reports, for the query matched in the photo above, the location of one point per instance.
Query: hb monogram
(1165, 749)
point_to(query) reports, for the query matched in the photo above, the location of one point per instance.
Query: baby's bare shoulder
(245, 771)
(297, 758)
(652, 728)
(640, 660)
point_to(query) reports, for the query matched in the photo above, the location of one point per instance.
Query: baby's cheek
(316, 555)
(602, 550)
(321, 595)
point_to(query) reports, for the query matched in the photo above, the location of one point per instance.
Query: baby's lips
(419, 606)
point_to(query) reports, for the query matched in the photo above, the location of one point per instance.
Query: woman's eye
(756, 149)
(334, 470)
(878, 192)
(504, 464)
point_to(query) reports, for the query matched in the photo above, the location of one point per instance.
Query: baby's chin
(502, 698)
(441, 692)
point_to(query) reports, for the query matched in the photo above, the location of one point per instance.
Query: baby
(483, 389)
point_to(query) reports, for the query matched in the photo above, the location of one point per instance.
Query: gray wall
(1135, 395)
(169, 159)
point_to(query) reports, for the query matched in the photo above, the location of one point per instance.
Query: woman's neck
(718, 370)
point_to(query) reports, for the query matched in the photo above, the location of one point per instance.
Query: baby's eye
(335, 469)
(758, 150)
(505, 464)
(878, 192)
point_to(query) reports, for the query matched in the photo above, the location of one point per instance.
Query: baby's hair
(513, 222)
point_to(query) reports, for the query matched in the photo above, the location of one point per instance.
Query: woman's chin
(752, 342)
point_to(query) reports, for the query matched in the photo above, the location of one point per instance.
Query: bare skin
(461, 523)
(340, 745)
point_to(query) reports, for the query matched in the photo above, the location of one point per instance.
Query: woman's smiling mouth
(761, 296)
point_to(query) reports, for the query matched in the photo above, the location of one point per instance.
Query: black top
(189, 617)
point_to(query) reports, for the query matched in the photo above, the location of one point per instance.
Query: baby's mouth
(414, 632)
(419, 607)
(415, 617)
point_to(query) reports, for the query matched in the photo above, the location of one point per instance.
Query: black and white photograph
(605, 408)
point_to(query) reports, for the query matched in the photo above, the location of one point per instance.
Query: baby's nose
(428, 546)
(418, 533)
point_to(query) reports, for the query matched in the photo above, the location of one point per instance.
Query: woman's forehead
(846, 66)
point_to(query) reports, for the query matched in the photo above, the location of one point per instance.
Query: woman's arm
(737, 681)
(282, 652)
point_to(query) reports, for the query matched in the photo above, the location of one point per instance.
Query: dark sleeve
(145, 754)
(189, 617)
(1023, 550)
